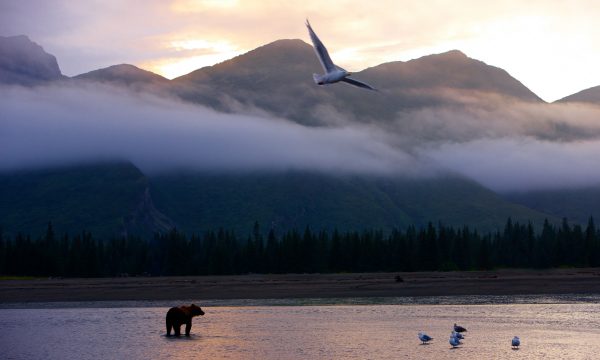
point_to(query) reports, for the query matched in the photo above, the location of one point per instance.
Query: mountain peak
(123, 73)
(451, 69)
(454, 53)
(24, 62)
(295, 43)
(280, 52)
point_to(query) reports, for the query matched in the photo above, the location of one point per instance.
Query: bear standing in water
(180, 315)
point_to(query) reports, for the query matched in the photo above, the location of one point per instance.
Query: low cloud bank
(48, 126)
(523, 163)
(504, 145)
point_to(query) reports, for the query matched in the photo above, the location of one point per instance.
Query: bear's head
(196, 310)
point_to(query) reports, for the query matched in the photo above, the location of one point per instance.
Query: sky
(550, 46)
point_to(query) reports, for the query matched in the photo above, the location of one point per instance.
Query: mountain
(110, 199)
(452, 69)
(24, 62)
(277, 78)
(106, 199)
(591, 95)
(116, 199)
(577, 205)
(123, 74)
(296, 200)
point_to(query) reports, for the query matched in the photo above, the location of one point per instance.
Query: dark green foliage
(576, 204)
(94, 197)
(441, 248)
(115, 199)
(295, 200)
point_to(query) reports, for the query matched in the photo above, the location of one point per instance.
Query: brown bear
(177, 316)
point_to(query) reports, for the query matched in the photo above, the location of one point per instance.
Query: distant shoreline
(301, 286)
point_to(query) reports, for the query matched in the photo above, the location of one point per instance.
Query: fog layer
(503, 144)
(59, 125)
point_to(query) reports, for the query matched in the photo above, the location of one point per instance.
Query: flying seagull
(424, 337)
(333, 73)
(459, 329)
(516, 342)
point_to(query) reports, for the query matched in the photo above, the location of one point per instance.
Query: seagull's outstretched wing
(358, 83)
(321, 51)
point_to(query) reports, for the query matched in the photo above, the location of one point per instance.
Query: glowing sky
(553, 47)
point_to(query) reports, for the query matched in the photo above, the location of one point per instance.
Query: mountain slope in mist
(575, 204)
(591, 95)
(381, 162)
(123, 74)
(294, 200)
(116, 199)
(24, 62)
(106, 199)
(277, 78)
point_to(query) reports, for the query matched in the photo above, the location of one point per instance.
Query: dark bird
(516, 342)
(459, 329)
(454, 341)
(424, 337)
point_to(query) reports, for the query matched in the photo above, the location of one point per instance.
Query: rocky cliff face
(24, 62)
(146, 218)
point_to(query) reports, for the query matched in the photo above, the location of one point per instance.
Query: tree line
(429, 248)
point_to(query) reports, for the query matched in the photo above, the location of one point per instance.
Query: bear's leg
(188, 327)
(177, 328)
(169, 327)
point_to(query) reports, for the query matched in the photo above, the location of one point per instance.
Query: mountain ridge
(24, 62)
(589, 95)
(289, 92)
(125, 74)
(117, 199)
(8, 75)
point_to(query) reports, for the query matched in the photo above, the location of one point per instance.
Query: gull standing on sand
(454, 341)
(424, 337)
(333, 73)
(459, 329)
(458, 335)
(516, 342)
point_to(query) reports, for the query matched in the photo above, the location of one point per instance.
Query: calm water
(367, 331)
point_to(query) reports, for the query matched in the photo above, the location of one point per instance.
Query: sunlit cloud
(199, 53)
(172, 68)
(201, 5)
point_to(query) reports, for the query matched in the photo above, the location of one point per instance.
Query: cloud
(523, 163)
(469, 115)
(56, 125)
(504, 144)
(508, 145)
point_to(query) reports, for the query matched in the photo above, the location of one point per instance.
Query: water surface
(367, 331)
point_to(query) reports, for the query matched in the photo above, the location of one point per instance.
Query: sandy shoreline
(504, 282)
